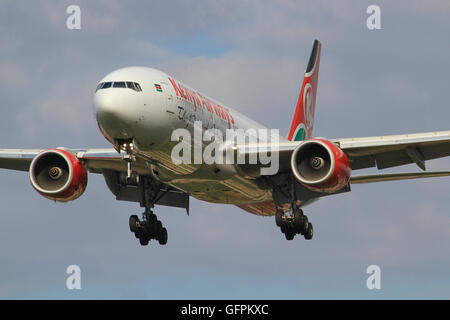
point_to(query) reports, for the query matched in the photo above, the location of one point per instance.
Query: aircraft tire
(309, 232)
(301, 223)
(162, 239)
(158, 228)
(144, 240)
(152, 218)
(134, 220)
(279, 218)
(289, 235)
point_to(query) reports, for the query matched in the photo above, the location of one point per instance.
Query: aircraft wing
(95, 160)
(17, 159)
(397, 176)
(391, 151)
(107, 162)
(381, 152)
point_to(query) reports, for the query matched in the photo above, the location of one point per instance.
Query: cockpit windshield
(119, 84)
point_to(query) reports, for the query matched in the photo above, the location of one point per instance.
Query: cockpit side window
(119, 84)
(100, 85)
(106, 85)
(138, 87)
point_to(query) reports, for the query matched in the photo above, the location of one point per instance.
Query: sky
(250, 55)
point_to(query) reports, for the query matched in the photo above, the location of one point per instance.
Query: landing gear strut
(294, 221)
(150, 192)
(129, 158)
(148, 228)
(293, 224)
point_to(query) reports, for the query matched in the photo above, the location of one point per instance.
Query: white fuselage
(149, 116)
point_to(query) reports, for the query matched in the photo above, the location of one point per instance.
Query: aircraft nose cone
(112, 115)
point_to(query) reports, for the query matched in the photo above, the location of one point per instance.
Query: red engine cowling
(58, 175)
(320, 166)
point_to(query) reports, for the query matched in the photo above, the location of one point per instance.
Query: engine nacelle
(320, 166)
(58, 175)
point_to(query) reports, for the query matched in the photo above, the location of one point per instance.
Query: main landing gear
(293, 224)
(148, 228)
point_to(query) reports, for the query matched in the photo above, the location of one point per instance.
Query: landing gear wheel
(162, 239)
(279, 218)
(147, 229)
(309, 232)
(289, 235)
(300, 222)
(152, 218)
(159, 227)
(304, 225)
(144, 240)
(134, 222)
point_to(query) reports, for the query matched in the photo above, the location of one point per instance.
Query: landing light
(127, 146)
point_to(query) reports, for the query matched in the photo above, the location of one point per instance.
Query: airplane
(138, 109)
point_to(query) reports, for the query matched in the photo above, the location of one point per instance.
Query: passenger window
(131, 86)
(106, 85)
(119, 84)
(138, 87)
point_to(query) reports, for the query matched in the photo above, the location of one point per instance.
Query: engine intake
(320, 166)
(58, 175)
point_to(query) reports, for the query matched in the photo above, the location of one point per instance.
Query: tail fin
(302, 124)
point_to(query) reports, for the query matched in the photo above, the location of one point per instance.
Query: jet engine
(320, 166)
(58, 175)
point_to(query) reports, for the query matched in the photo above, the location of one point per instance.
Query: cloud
(12, 75)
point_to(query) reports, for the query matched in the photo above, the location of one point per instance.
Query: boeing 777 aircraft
(138, 109)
